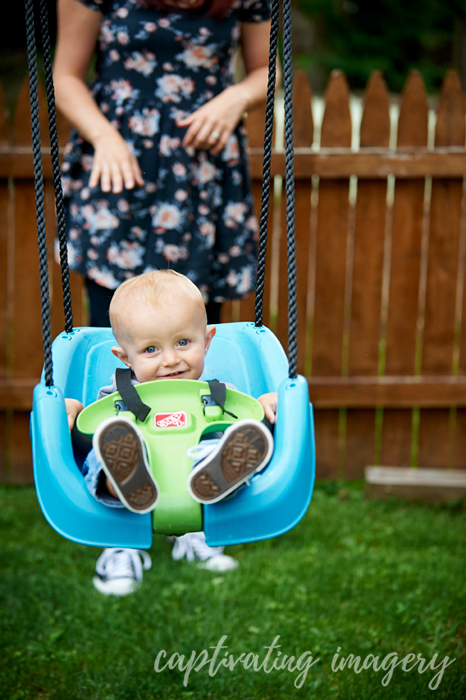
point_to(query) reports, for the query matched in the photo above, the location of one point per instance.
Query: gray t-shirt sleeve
(111, 388)
(106, 391)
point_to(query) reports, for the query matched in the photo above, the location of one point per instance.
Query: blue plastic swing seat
(250, 358)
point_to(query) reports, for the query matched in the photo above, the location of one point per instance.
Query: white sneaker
(119, 447)
(194, 547)
(219, 563)
(119, 571)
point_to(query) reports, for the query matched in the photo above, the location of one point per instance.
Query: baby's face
(165, 343)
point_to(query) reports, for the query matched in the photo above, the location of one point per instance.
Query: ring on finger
(215, 135)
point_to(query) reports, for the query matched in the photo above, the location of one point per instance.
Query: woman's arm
(78, 30)
(221, 114)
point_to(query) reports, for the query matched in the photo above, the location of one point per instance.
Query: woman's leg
(99, 303)
(213, 309)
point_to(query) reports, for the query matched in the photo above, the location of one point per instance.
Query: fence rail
(381, 242)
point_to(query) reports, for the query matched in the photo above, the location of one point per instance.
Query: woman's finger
(214, 137)
(137, 173)
(191, 136)
(221, 143)
(186, 121)
(205, 138)
(128, 173)
(105, 179)
(94, 176)
(117, 180)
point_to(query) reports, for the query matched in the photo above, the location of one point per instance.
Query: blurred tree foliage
(393, 36)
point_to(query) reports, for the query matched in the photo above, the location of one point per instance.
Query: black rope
(289, 180)
(290, 193)
(39, 192)
(57, 183)
(265, 195)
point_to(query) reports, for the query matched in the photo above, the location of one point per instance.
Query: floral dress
(194, 213)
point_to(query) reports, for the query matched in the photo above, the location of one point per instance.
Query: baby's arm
(73, 407)
(269, 404)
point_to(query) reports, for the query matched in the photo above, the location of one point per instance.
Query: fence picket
(255, 126)
(244, 310)
(329, 298)
(435, 435)
(4, 271)
(406, 241)
(366, 297)
(4, 228)
(303, 136)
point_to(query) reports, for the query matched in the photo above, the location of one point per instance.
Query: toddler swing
(79, 362)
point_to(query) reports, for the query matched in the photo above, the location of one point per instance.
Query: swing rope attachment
(289, 180)
(39, 181)
(55, 157)
(265, 192)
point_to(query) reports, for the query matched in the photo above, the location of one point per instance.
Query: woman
(155, 174)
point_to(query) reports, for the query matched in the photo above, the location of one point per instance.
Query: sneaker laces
(122, 563)
(200, 451)
(193, 546)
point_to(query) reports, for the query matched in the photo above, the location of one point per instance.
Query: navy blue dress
(195, 211)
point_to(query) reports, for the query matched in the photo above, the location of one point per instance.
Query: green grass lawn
(354, 577)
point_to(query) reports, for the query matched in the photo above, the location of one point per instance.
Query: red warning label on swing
(171, 420)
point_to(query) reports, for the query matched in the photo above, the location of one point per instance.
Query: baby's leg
(110, 488)
(95, 480)
(245, 448)
(120, 450)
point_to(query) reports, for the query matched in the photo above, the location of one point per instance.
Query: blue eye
(183, 343)
(151, 349)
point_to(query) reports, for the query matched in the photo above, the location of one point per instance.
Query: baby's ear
(209, 334)
(120, 353)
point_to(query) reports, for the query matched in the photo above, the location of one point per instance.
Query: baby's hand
(269, 403)
(73, 407)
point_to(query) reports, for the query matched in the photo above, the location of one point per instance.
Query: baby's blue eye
(183, 343)
(151, 349)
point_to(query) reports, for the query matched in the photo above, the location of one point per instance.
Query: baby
(160, 324)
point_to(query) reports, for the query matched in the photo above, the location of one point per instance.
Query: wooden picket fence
(381, 241)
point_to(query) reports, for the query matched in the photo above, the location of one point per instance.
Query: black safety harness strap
(129, 394)
(218, 392)
(134, 403)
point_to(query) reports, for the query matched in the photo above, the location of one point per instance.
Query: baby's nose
(170, 357)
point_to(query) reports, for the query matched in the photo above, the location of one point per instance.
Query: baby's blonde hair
(157, 288)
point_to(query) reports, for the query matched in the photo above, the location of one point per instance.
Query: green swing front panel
(177, 420)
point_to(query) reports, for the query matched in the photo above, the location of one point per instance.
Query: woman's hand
(210, 126)
(114, 165)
